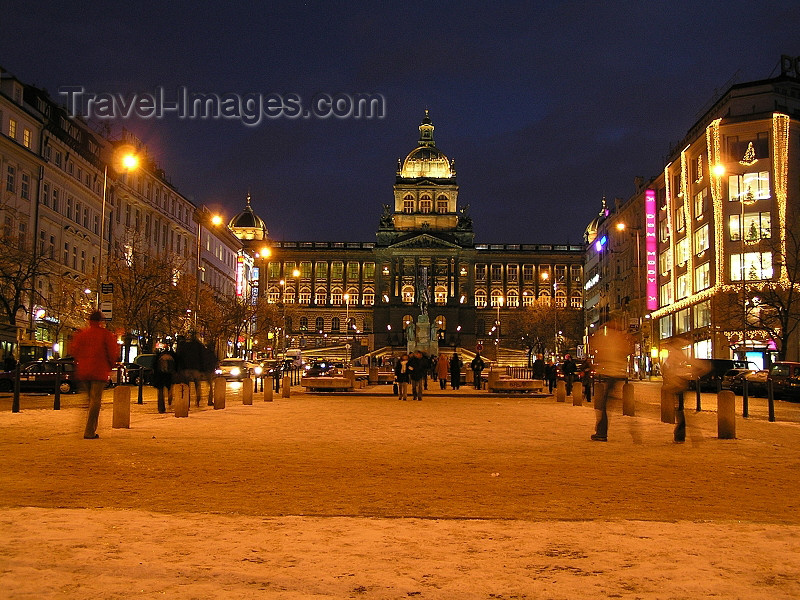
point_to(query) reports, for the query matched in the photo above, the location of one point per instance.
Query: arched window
(288, 295)
(351, 324)
(304, 297)
(512, 299)
(441, 327)
(576, 301)
(408, 204)
(497, 298)
(336, 296)
(335, 324)
(425, 204)
(440, 295)
(369, 297)
(408, 294)
(274, 295)
(320, 324)
(320, 296)
(352, 294)
(441, 204)
(544, 297)
(527, 298)
(407, 320)
(480, 299)
(303, 323)
(561, 299)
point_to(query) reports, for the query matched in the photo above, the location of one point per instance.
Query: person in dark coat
(210, 363)
(569, 368)
(402, 374)
(455, 371)
(189, 355)
(538, 368)
(550, 374)
(164, 371)
(477, 366)
(418, 372)
(586, 379)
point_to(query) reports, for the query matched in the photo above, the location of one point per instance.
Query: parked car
(233, 368)
(756, 383)
(785, 378)
(712, 380)
(127, 373)
(40, 376)
(322, 367)
(732, 380)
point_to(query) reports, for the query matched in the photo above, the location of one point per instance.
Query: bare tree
(540, 327)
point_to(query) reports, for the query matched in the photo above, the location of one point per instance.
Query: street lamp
(500, 301)
(129, 161)
(215, 220)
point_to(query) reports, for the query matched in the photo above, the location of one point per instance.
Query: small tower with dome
(247, 225)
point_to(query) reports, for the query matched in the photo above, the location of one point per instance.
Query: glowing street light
(214, 220)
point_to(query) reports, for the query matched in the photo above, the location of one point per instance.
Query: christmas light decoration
(780, 163)
(749, 157)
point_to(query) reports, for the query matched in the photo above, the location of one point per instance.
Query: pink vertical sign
(651, 248)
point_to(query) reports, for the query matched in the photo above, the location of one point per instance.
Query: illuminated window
(749, 187)
(701, 240)
(274, 295)
(702, 314)
(682, 251)
(665, 295)
(305, 269)
(561, 272)
(480, 299)
(576, 301)
(320, 296)
(274, 268)
(480, 272)
(441, 204)
(757, 226)
(702, 277)
(665, 327)
(665, 262)
(425, 205)
(497, 298)
(407, 320)
(369, 270)
(12, 129)
(680, 219)
(320, 324)
(527, 299)
(527, 273)
(700, 203)
(288, 296)
(408, 294)
(682, 321)
(408, 203)
(352, 271)
(440, 295)
(544, 298)
(321, 269)
(335, 324)
(352, 295)
(497, 272)
(26, 138)
(336, 296)
(683, 286)
(561, 298)
(512, 299)
(337, 270)
(754, 266)
(369, 297)
(512, 273)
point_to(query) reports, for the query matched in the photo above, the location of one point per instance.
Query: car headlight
(218, 371)
(236, 371)
(258, 370)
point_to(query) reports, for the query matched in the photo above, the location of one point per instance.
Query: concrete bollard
(470, 376)
(220, 387)
(180, 399)
(667, 406)
(122, 407)
(577, 394)
(628, 400)
(247, 391)
(268, 393)
(726, 415)
(373, 375)
(561, 391)
(286, 385)
(493, 378)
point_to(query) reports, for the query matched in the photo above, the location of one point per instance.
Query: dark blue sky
(545, 106)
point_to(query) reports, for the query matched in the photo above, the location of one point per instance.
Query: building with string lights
(712, 240)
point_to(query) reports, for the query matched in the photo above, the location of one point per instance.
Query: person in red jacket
(94, 349)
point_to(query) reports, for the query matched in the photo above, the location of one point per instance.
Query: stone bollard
(667, 406)
(726, 415)
(286, 385)
(220, 387)
(247, 391)
(180, 399)
(373, 375)
(628, 400)
(561, 391)
(493, 378)
(577, 394)
(470, 376)
(122, 407)
(268, 393)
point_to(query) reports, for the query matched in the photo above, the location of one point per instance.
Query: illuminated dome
(247, 225)
(591, 230)
(426, 160)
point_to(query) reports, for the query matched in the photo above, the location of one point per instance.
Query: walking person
(538, 368)
(189, 355)
(550, 374)
(455, 371)
(418, 372)
(610, 348)
(677, 370)
(95, 351)
(569, 368)
(210, 363)
(586, 379)
(164, 371)
(442, 370)
(402, 375)
(477, 366)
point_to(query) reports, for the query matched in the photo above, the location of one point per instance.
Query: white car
(233, 368)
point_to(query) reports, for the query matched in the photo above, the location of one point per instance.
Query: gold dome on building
(247, 225)
(426, 160)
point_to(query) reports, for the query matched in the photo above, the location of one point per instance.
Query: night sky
(545, 106)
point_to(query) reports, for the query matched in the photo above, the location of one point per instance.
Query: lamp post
(129, 162)
(215, 220)
(500, 302)
(346, 298)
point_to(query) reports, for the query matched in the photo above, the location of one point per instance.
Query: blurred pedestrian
(209, 370)
(677, 370)
(442, 370)
(189, 355)
(9, 362)
(477, 365)
(164, 371)
(550, 374)
(610, 348)
(538, 368)
(418, 372)
(455, 371)
(95, 351)
(402, 375)
(569, 368)
(587, 379)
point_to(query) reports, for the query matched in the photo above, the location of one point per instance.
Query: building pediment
(425, 241)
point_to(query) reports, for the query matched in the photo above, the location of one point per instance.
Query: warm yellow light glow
(718, 170)
(282, 282)
(266, 252)
(130, 161)
(654, 353)
(296, 273)
(545, 276)
(620, 226)
(346, 297)
(216, 220)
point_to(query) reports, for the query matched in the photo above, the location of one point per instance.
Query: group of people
(414, 368)
(95, 351)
